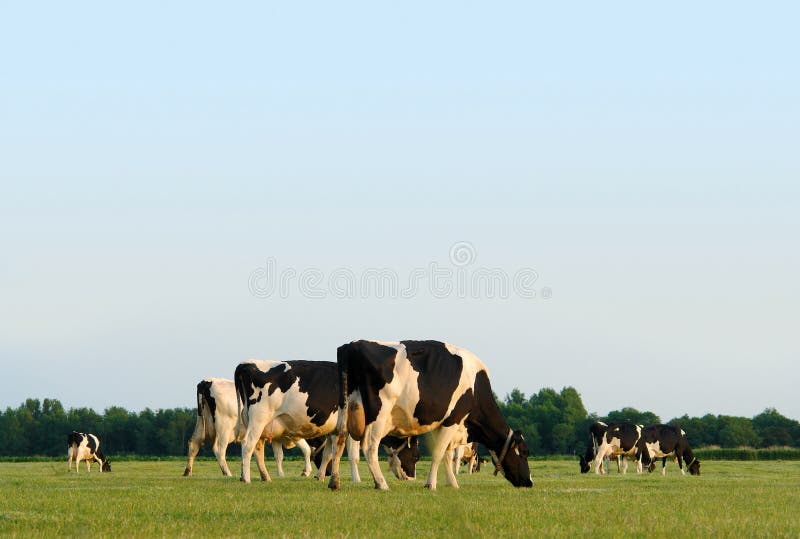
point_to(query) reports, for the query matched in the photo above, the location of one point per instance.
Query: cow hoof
(334, 484)
(187, 472)
(304, 474)
(379, 486)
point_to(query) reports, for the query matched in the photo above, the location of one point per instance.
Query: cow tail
(241, 395)
(342, 365)
(201, 403)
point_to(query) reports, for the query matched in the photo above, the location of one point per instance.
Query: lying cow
(613, 440)
(402, 455)
(660, 441)
(410, 388)
(82, 446)
(218, 422)
(286, 402)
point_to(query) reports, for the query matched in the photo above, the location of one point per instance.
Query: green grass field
(151, 498)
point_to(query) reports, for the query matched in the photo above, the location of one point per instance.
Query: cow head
(585, 465)
(514, 462)
(409, 456)
(106, 466)
(694, 467)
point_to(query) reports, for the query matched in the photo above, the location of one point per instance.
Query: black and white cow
(659, 441)
(82, 446)
(610, 440)
(218, 422)
(286, 401)
(410, 388)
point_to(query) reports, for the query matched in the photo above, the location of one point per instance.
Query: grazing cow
(402, 455)
(218, 422)
(82, 446)
(659, 441)
(286, 402)
(610, 440)
(409, 388)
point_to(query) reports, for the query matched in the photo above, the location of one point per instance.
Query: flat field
(731, 499)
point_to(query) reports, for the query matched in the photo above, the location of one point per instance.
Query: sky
(630, 172)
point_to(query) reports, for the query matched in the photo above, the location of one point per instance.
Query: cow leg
(277, 451)
(441, 437)
(625, 465)
(353, 456)
(679, 460)
(327, 455)
(220, 447)
(252, 437)
(372, 441)
(89, 465)
(458, 454)
(598, 461)
(262, 467)
(195, 442)
(664, 466)
(336, 444)
(69, 459)
(305, 449)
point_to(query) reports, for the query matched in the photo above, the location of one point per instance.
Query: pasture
(150, 498)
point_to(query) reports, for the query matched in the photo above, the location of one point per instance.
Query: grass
(152, 499)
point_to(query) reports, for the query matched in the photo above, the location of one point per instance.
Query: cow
(287, 401)
(660, 441)
(218, 422)
(402, 455)
(83, 446)
(409, 388)
(610, 440)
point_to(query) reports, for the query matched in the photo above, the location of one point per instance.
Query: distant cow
(659, 441)
(409, 388)
(286, 402)
(218, 422)
(610, 440)
(82, 446)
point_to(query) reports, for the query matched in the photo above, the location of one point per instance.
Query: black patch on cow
(91, 444)
(318, 380)
(278, 377)
(367, 367)
(439, 374)
(204, 393)
(485, 424)
(464, 404)
(75, 438)
(248, 375)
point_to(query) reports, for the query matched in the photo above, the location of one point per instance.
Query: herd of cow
(381, 394)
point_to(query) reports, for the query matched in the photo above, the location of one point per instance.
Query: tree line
(553, 422)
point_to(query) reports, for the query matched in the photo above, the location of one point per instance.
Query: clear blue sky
(642, 159)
